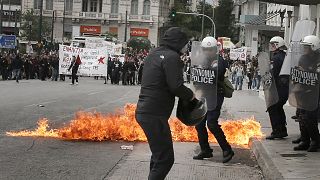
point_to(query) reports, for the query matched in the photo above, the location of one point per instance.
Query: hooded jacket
(162, 77)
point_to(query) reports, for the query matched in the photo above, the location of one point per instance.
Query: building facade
(261, 20)
(77, 17)
(11, 14)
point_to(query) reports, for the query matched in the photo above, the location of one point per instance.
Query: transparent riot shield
(304, 80)
(204, 69)
(302, 28)
(267, 80)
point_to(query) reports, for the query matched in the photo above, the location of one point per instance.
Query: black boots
(278, 133)
(302, 146)
(227, 155)
(296, 141)
(204, 154)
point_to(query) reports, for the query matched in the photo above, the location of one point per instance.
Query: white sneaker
(71, 84)
(77, 83)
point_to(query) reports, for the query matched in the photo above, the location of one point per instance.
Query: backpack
(227, 87)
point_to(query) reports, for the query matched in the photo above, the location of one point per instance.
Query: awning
(293, 2)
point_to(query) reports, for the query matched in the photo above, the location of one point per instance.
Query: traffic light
(173, 13)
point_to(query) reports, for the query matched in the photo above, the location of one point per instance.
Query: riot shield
(204, 69)
(304, 80)
(302, 28)
(267, 80)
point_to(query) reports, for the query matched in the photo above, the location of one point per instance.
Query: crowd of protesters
(245, 70)
(129, 71)
(16, 66)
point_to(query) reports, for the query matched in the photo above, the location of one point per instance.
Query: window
(85, 5)
(100, 6)
(69, 5)
(49, 4)
(93, 5)
(134, 7)
(36, 4)
(114, 6)
(146, 7)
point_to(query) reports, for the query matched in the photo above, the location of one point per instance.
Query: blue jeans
(213, 125)
(55, 74)
(254, 83)
(239, 81)
(16, 74)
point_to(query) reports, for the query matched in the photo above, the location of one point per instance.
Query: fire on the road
(123, 126)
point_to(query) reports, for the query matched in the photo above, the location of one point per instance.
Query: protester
(17, 65)
(239, 77)
(75, 66)
(162, 80)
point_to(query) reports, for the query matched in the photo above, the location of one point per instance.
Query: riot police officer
(209, 60)
(276, 111)
(304, 92)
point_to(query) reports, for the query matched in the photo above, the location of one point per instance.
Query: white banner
(239, 54)
(93, 61)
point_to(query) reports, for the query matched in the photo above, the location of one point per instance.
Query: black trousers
(159, 137)
(309, 126)
(74, 75)
(213, 125)
(277, 115)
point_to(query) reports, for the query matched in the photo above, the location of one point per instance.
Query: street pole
(15, 23)
(202, 25)
(52, 26)
(30, 23)
(1, 14)
(63, 17)
(40, 22)
(125, 27)
(213, 28)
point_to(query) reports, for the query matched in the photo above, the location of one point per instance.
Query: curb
(269, 169)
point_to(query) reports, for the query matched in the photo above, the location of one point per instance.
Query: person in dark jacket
(208, 44)
(276, 111)
(116, 69)
(4, 68)
(162, 80)
(16, 65)
(74, 66)
(55, 68)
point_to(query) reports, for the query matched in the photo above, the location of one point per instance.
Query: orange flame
(123, 126)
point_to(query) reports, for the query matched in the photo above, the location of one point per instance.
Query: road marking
(93, 93)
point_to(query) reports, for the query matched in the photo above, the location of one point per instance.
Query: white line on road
(93, 93)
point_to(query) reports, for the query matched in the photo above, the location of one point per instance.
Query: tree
(191, 23)
(224, 18)
(139, 43)
(30, 16)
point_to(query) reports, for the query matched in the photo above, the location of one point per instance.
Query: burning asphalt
(122, 126)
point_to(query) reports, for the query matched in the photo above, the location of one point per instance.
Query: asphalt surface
(21, 105)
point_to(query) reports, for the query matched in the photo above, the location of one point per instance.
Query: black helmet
(191, 117)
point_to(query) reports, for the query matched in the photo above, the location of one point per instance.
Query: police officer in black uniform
(306, 96)
(276, 111)
(209, 44)
(162, 80)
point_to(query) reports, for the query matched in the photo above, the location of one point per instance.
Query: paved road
(39, 158)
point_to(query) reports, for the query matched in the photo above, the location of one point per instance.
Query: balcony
(91, 15)
(133, 17)
(115, 16)
(141, 18)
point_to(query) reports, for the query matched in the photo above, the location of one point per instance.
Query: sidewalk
(276, 158)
